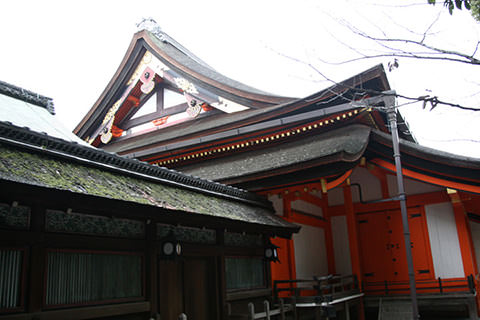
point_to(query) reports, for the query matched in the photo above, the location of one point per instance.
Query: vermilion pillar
(287, 213)
(353, 240)
(463, 233)
(328, 235)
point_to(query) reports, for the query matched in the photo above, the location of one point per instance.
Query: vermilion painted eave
(426, 178)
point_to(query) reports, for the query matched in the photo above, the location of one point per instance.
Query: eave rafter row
(260, 140)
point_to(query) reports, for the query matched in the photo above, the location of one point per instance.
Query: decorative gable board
(155, 96)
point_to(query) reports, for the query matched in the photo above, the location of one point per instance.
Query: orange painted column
(464, 238)
(328, 235)
(285, 268)
(353, 241)
(287, 213)
(463, 234)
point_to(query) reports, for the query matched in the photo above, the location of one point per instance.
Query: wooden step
(394, 310)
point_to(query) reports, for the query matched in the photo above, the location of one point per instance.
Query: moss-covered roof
(344, 144)
(37, 169)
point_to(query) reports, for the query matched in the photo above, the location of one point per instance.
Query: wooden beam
(155, 115)
(308, 219)
(310, 199)
(412, 201)
(335, 183)
(428, 179)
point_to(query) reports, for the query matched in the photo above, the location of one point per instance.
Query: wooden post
(328, 236)
(353, 241)
(266, 306)
(151, 270)
(36, 288)
(465, 241)
(287, 213)
(282, 309)
(463, 233)
(251, 311)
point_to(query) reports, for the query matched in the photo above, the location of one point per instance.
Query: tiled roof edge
(113, 162)
(154, 28)
(27, 96)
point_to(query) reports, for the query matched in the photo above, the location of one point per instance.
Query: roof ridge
(154, 28)
(45, 143)
(27, 96)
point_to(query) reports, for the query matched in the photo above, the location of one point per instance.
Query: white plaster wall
(411, 186)
(442, 231)
(475, 230)
(371, 186)
(307, 207)
(341, 246)
(277, 204)
(310, 252)
(335, 196)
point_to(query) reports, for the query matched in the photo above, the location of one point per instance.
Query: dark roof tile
(27, 96)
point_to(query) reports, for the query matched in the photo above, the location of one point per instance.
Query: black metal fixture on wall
(271, 252)
(171, 247)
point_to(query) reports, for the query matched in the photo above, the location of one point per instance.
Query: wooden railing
(438, 286)
(324, 295)
(325, 288)
(278, 312)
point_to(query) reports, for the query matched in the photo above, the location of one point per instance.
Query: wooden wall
(442, 230)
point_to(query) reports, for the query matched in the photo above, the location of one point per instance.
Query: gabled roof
(39, 160)
(181, 63)
(27, 96)
(177, 63)
(25, 108)
(373, 79)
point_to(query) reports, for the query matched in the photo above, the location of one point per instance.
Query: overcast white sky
(69, 50)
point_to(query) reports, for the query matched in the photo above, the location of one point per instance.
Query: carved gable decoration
(150, 79)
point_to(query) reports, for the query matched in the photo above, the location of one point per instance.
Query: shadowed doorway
(188, 286)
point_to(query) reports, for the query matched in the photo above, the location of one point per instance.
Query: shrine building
(325, 161)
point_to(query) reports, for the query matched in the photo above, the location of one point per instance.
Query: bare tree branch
(433, 102)
(476, 48)
(433, 53)
(461, 57)
(430, 27)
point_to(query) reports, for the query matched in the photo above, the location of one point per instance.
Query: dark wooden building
(88, 234)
